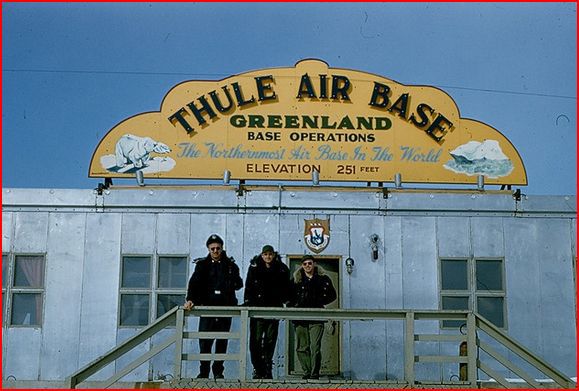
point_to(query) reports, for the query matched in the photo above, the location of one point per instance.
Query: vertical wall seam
(401, 261)
(43, 328)
(153, 303)
(504, 252)
(471, 261)
(119, 271)
(82, 274)
(11, 265)
(505, 268)
(83, 270)
(574, 271)
(385, 274)
(437, 249)
(349, 295)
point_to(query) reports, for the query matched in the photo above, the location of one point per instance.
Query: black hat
(267, 249)
(214, 239)
(307, 256)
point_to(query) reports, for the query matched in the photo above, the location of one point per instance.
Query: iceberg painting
(480, 158)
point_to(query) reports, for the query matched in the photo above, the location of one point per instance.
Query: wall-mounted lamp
(140, 177)
(374, 246)
(315, 177)
(350, 265)
(480, 182)
(398, 180)
(226, 177)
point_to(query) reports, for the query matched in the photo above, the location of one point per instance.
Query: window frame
(153, 291)
(166, 291)
(472, 292)
(133, 290)
(502, 293)
(10, 290)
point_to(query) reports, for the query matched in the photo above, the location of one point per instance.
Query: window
(476, 284)
(171, 283)
(148, 290)
(23, 290)
(135, 290)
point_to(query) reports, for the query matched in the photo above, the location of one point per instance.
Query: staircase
(483, 352)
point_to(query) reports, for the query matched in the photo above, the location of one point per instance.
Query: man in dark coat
(213, 283)
(266, 285)
(311, 288)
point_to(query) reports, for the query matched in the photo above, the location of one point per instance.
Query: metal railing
(474, 324)
(519, 350)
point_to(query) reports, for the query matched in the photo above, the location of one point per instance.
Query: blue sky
(72, 71)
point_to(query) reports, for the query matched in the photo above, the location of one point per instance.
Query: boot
(204, 369)
(257, 374)
(268, 371)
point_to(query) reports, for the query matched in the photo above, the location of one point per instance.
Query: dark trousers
(262, 340)
(205, 345)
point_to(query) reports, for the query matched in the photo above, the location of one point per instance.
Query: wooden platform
(301, 384)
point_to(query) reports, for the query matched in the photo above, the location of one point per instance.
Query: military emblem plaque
(317, 234)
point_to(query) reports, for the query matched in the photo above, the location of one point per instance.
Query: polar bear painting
(136, 150)
(133, 153)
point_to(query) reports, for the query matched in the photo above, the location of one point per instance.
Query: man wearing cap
(311, 288)
(213, 283)
(266, 285)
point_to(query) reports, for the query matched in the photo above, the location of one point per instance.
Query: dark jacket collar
(299, 274)
(257, 261)
(224, 258)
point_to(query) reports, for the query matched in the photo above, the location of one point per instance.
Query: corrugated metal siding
(84, 235)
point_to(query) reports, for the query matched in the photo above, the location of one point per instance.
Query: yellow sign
(284, 123)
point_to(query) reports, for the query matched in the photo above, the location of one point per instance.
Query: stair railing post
(70, 383)
(409, 349)
(472, 349)
(243, 338)
(179, 326)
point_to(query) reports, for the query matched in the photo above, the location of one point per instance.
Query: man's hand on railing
(188, 305)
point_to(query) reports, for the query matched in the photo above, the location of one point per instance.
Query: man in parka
(311, 288)
(266, 285)
(213, 283)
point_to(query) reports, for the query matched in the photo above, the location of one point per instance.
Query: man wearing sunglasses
(311, 288)
(213, 283)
